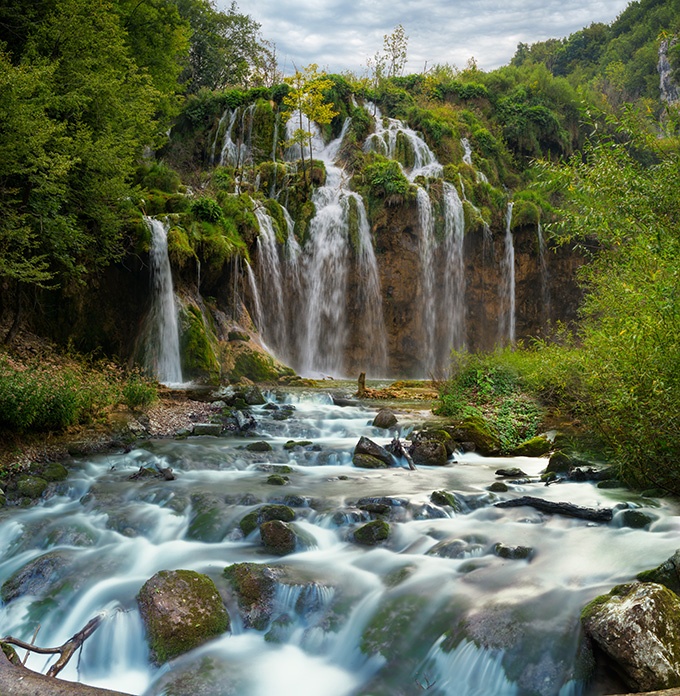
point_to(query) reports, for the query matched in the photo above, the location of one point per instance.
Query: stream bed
(438, 607)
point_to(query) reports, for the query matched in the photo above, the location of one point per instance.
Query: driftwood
(17, 680)
(566, 509)
(667, 692)
(398, 450)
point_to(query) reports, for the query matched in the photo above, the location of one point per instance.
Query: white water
(506, 316)
(356, 629)
(161, 339)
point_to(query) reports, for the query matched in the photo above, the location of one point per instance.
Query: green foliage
(157, 175)
(385, 179)
(207, 209)
(138, 392)
(198, 345)
(42, 397)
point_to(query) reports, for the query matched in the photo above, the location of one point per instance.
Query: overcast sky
(341, 35)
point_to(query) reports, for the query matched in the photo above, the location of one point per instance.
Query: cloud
(340, 36)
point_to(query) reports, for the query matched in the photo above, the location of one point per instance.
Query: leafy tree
(306, 99)
(391, 61)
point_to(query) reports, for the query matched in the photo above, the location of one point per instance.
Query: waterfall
(236, 148)
(506, 317)
(453, 304)
(545, 277)
(162, 334)
(467, 158)
(426, 245)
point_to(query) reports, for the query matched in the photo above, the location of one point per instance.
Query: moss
(256, 366)
(445, 498)
(31, 486)
(372, 533)
(181, 609)
(54, 472)
(266, 513)
(278, 537)
(476, 429)
(263, 126)
(180, 250)
(198, 346)
(254, 587)
(534, 447)
(525, 213)
(278, 219)
(391, 627)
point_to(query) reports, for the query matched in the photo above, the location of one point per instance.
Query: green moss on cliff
(198, 346)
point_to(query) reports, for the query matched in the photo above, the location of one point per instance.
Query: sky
(340, 35)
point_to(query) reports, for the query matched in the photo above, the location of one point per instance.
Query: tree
(306, 99)
(391, 61)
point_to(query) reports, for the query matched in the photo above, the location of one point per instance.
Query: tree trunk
(16, 680)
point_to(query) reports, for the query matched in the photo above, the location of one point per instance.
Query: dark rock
(244, 421)
(477, 430)
(498, 487)
(213, 429)
(610, 483)
(559, 463)
(266, 513)
(260, 446)
(446, 498)
(429, 453)
(54, 471)
(636, 519)
(293, 444)
(385, 419)
(254, 586)
(372, 533)
(181, 609)
(667, 574)
(30, 486)
(454, 548)
(366, 461)
(535, 447)
(367, 446)
(343, 401)
(637, 626)
(566, 509)
(278, 537)
(253, 396)
(512, 472)
(512, 552)
(277, 480)
(35, 576)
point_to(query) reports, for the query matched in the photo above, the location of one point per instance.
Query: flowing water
(434, 608)
(161, 334)
(507, 312)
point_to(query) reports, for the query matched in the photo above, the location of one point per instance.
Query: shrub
(138, 392)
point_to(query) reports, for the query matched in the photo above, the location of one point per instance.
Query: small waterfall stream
(434, 608)
(162, 356)
(506, 317)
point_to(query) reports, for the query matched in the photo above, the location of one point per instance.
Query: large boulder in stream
(278, 537)
(181, 609)
(476, 429)
(385, 419)
(667, 574)
(637, 627)
(253, 585)
(367, 448)
(266, 513)
(429, 453)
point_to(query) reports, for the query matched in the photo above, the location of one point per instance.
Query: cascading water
(506, 317)
(162, 355)
(435, 608)
(467, 158)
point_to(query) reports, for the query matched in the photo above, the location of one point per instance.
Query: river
(435, 608)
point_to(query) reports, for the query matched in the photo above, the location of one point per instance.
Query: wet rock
(429, 453)
(213, 429)
(339, 400)
(498, 487)
(367, 446)
(208, 522)
(381, 505)
(277, 480)
(36, 576)
(366, 461)
(284, 412)
(534, 447)
(637, 626)
(297, 444)
(260, 446)
(477, 430)
(54, 471)
(559, 463)
(636, 519)
(512, 552)
(445, 498)
(437, 435)
(266, 513)
(385, 419)
(254, 586)
(278, 537)
(253, 396)
(610, 483)
(511, 472)
(244, 421)
(667, 574)
(372, 533)
(455, 548)
(181, 609)
(30, 486)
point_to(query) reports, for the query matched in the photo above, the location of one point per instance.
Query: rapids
(432, 609)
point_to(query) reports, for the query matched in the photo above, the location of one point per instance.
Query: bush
(138, 392)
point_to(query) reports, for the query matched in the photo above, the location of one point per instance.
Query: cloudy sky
(341, 35)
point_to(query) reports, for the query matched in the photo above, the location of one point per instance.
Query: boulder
(32, 487)
(253, 396)
(429, 453)
(559, 463)
(266, 513)
(278, 537)
(213, 429)
(259, 446)
(511, 472)
(512, 552)
(534, 447)
(477, 430)
(637, 627)
(372, 533)
(254, 586)
(385, 419)
(37, 575)
(367, 446)
(446, 498)
(181, 609)
(366, 461)
(667, 574)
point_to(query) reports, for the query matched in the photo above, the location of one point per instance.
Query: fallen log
(566, 509)
(398, 450)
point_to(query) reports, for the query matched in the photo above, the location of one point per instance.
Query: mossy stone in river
(260, 446)
(535, 447)
(477, 430)
(31, 486)
(429, 453)
(54, 471)
(446, 498)
(372, 533)
(181, 609)
(278, 537)
(559, 463)
(254, 585)
(266, 513)
(368, 461)
(667, 574)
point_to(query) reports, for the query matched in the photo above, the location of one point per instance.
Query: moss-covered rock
(637, 626)
(559, 463)
(512, 552)
(181, 609)
(266, 513)
(372, 533)
(667, 574)
(277, 480)
(259, 446)
(366, 446)
(534, 447)
(37, 575)
(446, 498)
(257, 366)
(54, 471)
(198, 346)
(429, 453)
(367, 461)
(31, 486)
(253, 585)
(477, 430)
(278, 537)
